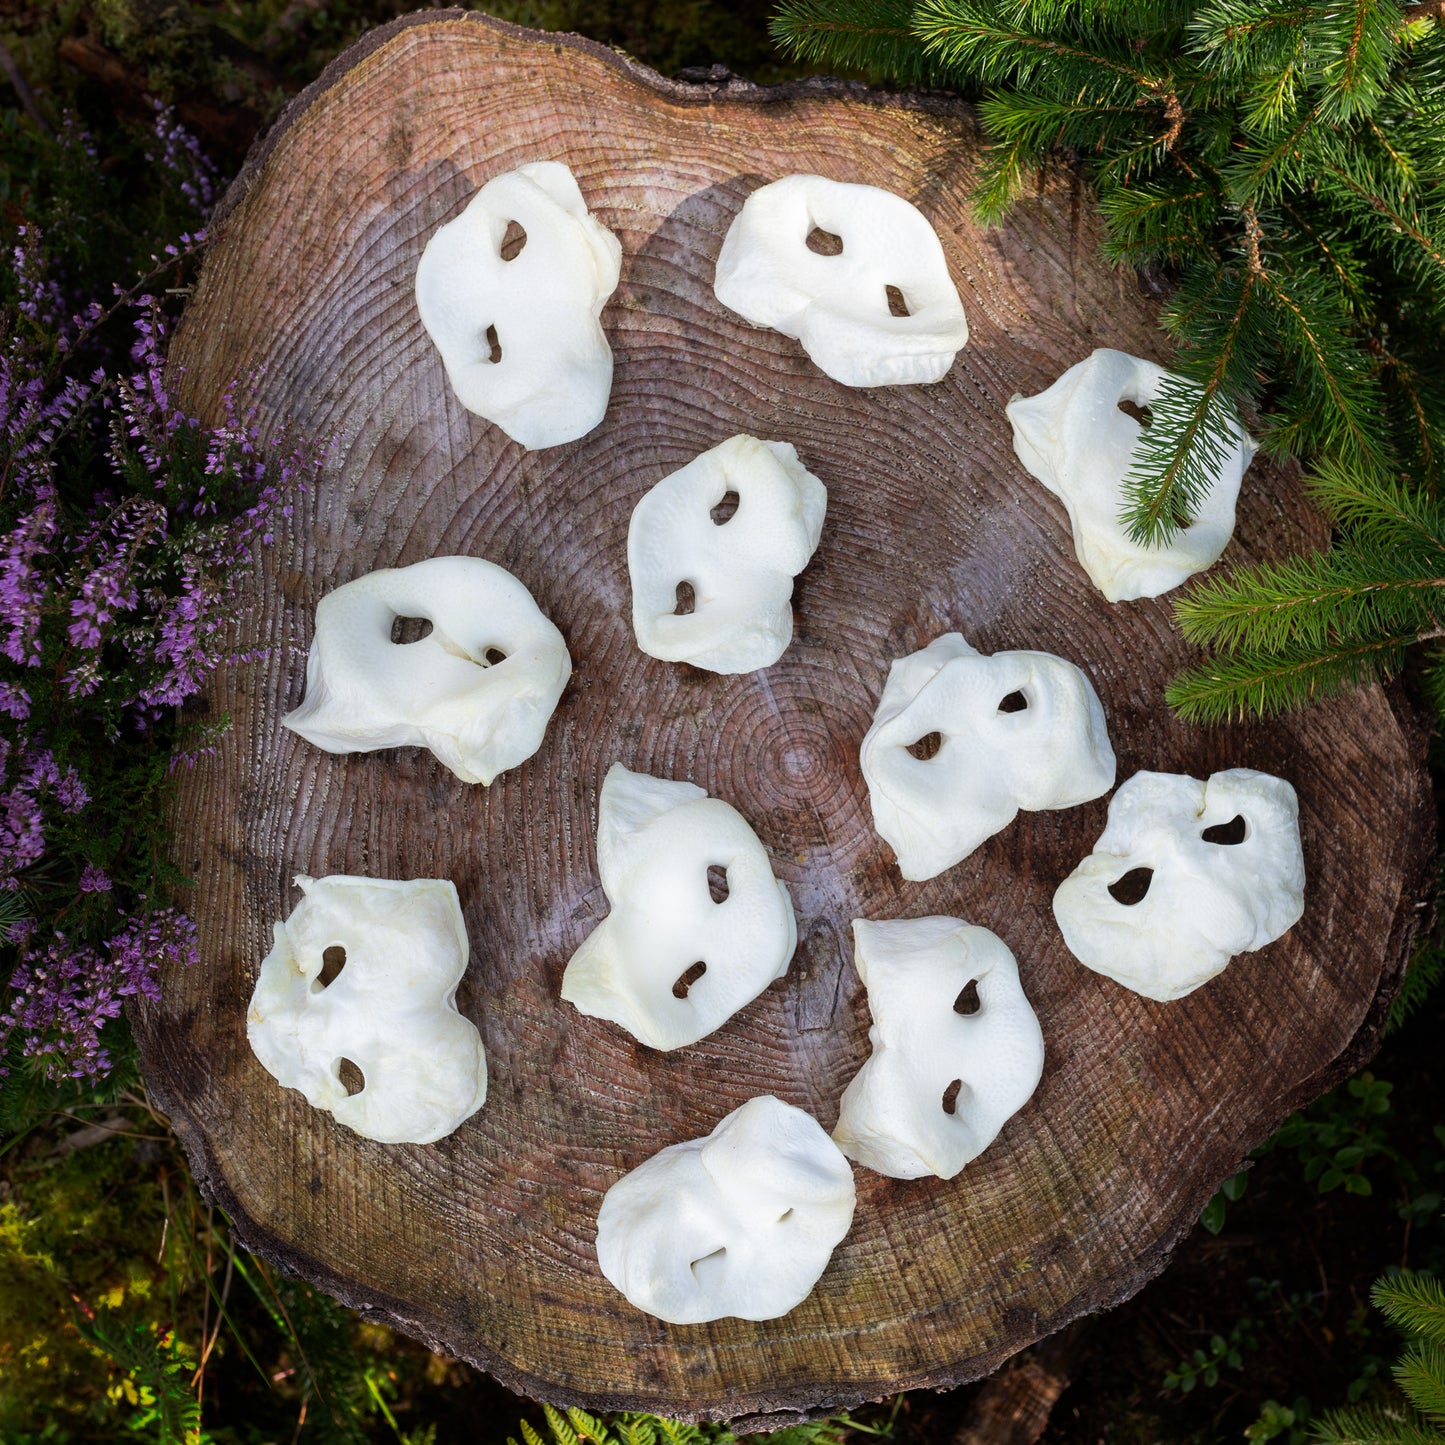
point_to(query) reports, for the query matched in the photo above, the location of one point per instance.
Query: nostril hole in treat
(824, 243)
(495, 345)
(1234, 831)
(681, 987)
(1131, 888)
(1014, 702)
(353, 1080)
(410, 629)
(926, 747)
(717, 883)
(717, 1256)
(333, 960)
(968, 1001)
(950, 1096)
(897, 306)
(493, 655)
(725, 509)
(1141, 414)
(513, 239)
(686, 599)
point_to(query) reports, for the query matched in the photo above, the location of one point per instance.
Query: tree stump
(483, 1243)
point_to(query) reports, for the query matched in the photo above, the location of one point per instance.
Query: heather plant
(126, 528)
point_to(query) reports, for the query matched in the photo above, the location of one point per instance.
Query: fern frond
(1266, 683)
(1412, 1302)
(561, 1427)
(1422, 978)
(156, 1364)
(529, 1434)
(635, 1429)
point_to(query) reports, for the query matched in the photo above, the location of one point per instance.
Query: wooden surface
(483, 1243)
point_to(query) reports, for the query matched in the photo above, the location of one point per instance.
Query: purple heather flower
(22, 583)
(94, 880)
(70, 792)
(63, 995)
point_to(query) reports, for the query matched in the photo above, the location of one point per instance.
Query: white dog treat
(1076, 441)
(1220, 870)
(740, 570)
(656, 841)
(477, 690)
(391, 1010)
(520, 338)
(940, 1083)
(838, 306)
(741, 1223)
(1015, 730)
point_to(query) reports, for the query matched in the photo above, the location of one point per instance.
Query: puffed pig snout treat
(668, 963)
(941, 1081)
(839, 305)
(519, 333)
(741, 1223)
(1015, 730)
(391, 1010)
(1221, 870)
(478, 689)
(1075, 439)
(740, 568)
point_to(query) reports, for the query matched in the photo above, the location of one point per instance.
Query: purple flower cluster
(63, 994)
(176, 150)
(111, 615)
(29, 778)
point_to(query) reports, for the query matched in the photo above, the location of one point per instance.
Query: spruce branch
(1379, 510)
(1191, 432)
(1286, 159)
(1413, 1303)
(977, 40)
(870, 35)
(1420, 1373)
(1343, 595)
(1257, 683)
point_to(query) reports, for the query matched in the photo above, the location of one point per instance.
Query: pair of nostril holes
(717, 887)
(1133, 887)
(720, 1253)
(721, 514)
(930, 744)
(333, 960)
(513, 239)
(406, 630)
(825, 243)
(967, 1003)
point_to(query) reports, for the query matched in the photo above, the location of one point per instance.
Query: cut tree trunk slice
(483, 1244)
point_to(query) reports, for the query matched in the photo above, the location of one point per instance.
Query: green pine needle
(1256, 683)
(857, 35)
(1420, 1373)
(1413, 1303)
(1192, 431)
